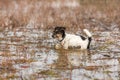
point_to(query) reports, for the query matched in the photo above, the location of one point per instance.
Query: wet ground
(27, 53)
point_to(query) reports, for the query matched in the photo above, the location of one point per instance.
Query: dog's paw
(58, 46)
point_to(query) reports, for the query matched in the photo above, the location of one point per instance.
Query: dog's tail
(87, 33)
(89, 37)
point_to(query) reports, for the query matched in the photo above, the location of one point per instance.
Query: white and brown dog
(70, 40)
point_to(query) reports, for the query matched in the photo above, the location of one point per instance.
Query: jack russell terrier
(70, 40)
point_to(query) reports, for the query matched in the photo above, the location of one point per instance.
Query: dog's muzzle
(53, 36)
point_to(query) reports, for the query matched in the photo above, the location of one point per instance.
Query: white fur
(72, 40)
(87, 32)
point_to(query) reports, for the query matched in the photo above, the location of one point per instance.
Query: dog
(70, 40)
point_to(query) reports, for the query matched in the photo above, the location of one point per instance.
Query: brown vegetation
(46, 14)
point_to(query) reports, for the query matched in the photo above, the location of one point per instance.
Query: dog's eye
(53, 31)
(56, 30)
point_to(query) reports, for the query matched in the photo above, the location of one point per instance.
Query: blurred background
(49, 13)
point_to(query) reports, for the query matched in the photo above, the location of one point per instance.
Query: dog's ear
(60, 28)
(63, 28)
(55, 28)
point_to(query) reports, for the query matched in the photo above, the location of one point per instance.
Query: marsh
(27, 48)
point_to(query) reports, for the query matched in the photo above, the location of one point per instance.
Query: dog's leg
(58, 46)
(65, 45)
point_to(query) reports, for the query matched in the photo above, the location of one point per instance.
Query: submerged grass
(48, 73)
(24, 60)
(7, 67)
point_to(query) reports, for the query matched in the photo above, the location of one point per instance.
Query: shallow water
(28, 54)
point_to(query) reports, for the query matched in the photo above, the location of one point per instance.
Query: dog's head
(59, 33)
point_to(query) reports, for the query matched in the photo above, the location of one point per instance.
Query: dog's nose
(52, 36)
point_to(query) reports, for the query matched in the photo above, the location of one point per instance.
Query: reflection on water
(82, 66)
(27, 54)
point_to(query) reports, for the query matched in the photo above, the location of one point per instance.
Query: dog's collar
(61, 39)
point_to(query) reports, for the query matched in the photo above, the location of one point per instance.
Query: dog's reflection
(72, 58)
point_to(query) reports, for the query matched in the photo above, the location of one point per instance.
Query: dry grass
(46, 14)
